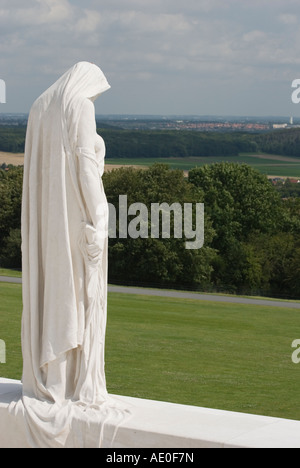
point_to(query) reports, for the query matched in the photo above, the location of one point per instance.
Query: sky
(161, 57)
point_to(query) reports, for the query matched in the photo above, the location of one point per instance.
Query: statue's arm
(88, 171)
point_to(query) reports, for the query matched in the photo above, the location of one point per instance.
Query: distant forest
(283, 142)
(12, 139)
(170, 143)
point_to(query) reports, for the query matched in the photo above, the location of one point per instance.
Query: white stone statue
(64, 248)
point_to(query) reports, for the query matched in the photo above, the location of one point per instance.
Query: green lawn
(10, 329)
(12, 273)
(217, 355)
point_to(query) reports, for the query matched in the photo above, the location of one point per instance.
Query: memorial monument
(64, 251)
(63, 401)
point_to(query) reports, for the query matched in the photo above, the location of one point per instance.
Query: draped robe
(64, 251)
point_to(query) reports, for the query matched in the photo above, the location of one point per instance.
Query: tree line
(282, 142)
(176, 144)
(180, 144)
(12, 139)
(252, 234)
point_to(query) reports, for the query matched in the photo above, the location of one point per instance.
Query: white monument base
(166, 425)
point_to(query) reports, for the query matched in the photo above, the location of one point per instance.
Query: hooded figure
(64, 248)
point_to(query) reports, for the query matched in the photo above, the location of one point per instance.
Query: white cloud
(254, 36)
(90, 21)
(36, 12)
(287, 18)
(167, 44)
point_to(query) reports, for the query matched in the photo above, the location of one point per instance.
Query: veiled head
(85, 80)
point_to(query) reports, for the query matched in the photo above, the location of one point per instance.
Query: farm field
(271, 165)
(18, 160)
(217, 355)
(283, 167)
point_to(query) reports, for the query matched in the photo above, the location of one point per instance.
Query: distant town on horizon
(177, 122)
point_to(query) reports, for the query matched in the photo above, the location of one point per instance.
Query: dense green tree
(242, 204)
(238, 199)
(10, 199)
(278, 257)
(10, 253)
(160, 262)
(10, 215)
(288, 189)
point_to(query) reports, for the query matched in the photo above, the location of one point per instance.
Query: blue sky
(204, 57)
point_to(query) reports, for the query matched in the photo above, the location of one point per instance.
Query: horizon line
(136, 115)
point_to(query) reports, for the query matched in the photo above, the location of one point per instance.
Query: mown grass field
(12, 273)
(217, 355)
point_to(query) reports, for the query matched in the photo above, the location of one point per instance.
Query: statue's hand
(94, 240)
